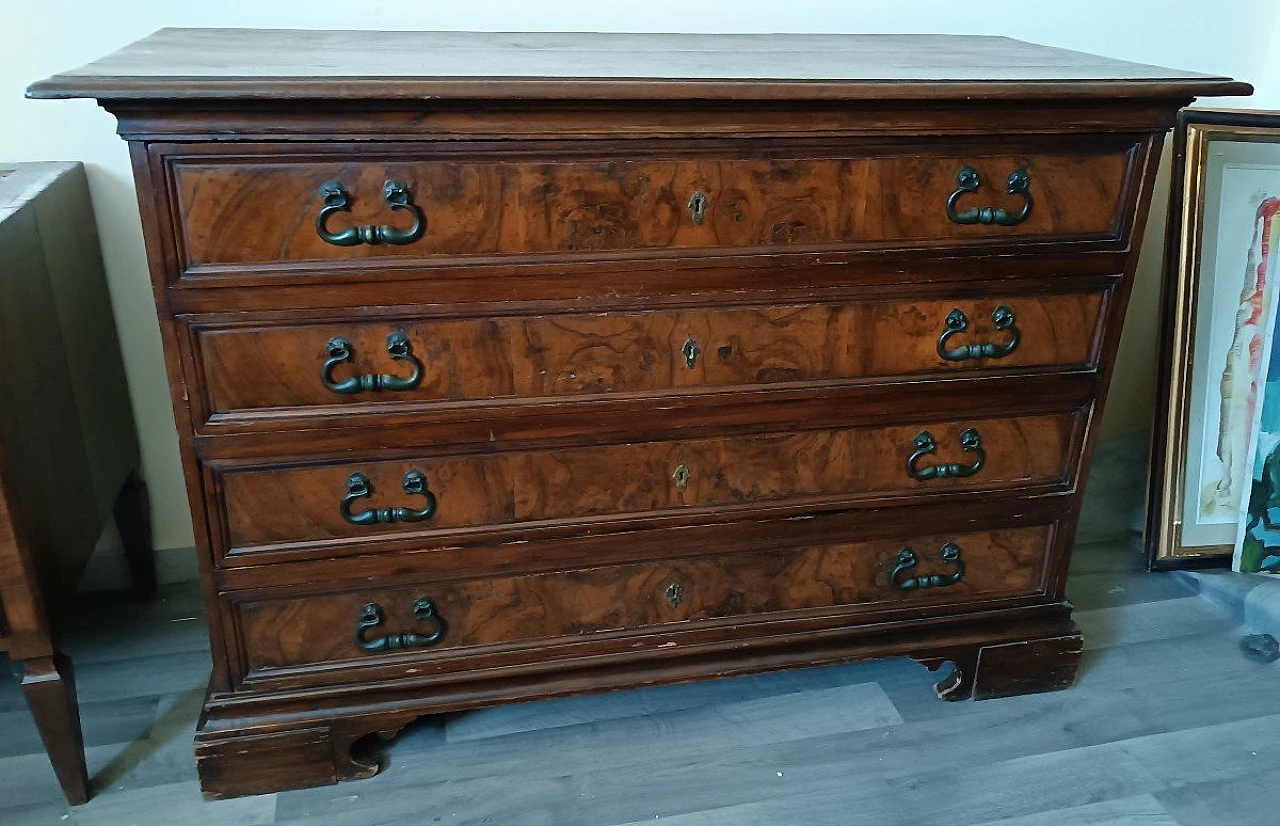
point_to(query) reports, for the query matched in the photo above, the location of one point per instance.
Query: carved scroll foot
(958, 684)
(354, 746)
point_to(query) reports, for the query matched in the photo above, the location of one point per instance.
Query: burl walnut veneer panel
(291, 509)
(483, 203)
(266, 369)
(286, 632)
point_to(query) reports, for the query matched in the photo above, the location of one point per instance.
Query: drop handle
(359, 487)
(371, 617)
(340, 352)
(924, 444)
(906, 561)
(967, 182)
(395, 194)
(1002, 319)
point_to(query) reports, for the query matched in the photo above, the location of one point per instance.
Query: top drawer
(353, 203)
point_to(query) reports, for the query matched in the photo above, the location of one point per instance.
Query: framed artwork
(1223, 263)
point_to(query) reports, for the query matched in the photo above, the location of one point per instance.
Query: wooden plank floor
(1169, 724)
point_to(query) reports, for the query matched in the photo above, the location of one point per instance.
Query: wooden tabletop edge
(178, 88)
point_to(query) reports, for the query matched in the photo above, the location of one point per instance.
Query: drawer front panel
(446, 496)
(267, 210)
(852, 577)
(454, 360)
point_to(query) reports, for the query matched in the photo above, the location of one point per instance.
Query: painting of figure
(1238, 385)
(1258, 541)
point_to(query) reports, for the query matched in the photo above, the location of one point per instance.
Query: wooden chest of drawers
(538, 365)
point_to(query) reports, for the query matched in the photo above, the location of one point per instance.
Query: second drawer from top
(336, 368)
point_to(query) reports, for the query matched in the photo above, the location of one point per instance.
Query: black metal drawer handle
(394, 193)
(957, 322)
(424, 610)
(358, 487)
(340, 352)
(906, 561)
(970, 442)
(968, 181)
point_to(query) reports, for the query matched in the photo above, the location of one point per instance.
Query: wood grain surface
(532, 357)
(491, 611)
(263, 209)
(250, 63)
(284, 506)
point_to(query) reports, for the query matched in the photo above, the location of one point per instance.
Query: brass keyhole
(675, 594)
(681, 477)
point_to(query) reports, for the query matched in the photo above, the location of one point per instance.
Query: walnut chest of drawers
(516, 366)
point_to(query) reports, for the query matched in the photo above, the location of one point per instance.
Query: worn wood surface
(252, 63)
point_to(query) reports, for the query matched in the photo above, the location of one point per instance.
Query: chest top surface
(195, 64)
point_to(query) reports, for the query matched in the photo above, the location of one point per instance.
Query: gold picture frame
(1217, 156)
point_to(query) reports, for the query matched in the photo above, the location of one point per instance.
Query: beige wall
(43, 38)
(1267, 80)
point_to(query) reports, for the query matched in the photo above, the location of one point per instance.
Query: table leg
(50, 689)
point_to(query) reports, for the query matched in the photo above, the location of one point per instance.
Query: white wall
(1267, 80)
(42, 38)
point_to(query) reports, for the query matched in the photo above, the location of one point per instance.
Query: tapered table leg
(133, 518)
(50, 688)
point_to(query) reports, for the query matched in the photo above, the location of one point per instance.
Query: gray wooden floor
(1169, 724)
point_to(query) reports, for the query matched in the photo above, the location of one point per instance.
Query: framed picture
(1223, 263)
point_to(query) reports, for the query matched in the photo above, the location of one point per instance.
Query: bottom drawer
(437, 620)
